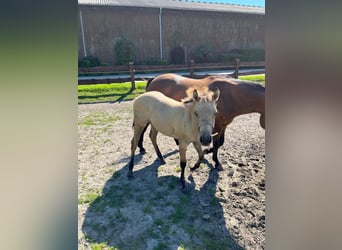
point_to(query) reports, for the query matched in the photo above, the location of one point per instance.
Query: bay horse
(189, 121)
(238, 97)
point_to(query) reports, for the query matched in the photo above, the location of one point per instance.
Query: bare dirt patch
(223, 210)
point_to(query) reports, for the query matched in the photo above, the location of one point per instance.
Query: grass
(111, 92)
(114, 92)
(99, 118)
(161, 246)
(182, 214)
(260, 78)
(102, 246)
(89, 197)
(181, 247)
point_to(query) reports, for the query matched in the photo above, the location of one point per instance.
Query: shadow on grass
(114, 98)
(151, 212)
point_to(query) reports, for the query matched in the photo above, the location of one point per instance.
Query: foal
(189, 121)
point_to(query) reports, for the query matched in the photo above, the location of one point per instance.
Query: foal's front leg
(198, 148)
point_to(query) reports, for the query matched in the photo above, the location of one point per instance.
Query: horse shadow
(151, 211)
(120, 97)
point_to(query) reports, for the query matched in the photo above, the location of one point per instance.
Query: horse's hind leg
(217, 142)
(134, 143)
(141, 140)
(198, 148)
(153, 136)
(262, 120)
(182, 156)
(219, 137)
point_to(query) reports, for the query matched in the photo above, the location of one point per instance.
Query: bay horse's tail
(148, 82)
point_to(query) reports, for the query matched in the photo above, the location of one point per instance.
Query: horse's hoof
(162, 162)
(207, 151)
(194, 168)
(142, 151)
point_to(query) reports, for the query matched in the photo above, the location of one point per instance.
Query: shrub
(89, 61)
(124, 51)
(177, 55)
(152, 61)
(245, 55)
(252, 55)
(203, 54)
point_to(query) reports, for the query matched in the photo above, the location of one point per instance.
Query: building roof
(177, 4)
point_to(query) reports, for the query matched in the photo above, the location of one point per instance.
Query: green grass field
(111, 92)
(114, 92)
(260, 78)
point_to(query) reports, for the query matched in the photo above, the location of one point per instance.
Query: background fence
(131, 72)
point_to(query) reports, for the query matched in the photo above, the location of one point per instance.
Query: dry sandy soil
(222, 210)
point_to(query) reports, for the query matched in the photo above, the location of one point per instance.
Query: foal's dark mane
(189, 99)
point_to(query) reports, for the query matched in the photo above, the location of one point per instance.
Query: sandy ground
(222, 210)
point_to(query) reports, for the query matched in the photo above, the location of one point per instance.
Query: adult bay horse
(237, 97)
(189, 121)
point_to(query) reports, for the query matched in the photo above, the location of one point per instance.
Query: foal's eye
(196, 114)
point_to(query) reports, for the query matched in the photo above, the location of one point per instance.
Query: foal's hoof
(162, 162)
(130, 176)
(218, 167)
(185, 189)
(142, 151)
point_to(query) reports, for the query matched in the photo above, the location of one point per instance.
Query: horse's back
(168, 84)
(158, 109)
(176, 86)
(155, 98)
(154, 103)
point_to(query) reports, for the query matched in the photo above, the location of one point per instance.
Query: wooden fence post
(236, 70)
(191, 67)
(131, 71)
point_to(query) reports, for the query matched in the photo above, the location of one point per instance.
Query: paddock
(225, 208)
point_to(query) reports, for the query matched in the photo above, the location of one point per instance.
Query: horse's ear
(195, 95)
(216, 94)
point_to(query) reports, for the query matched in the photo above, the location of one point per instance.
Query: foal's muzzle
(205, 140)
(205, 133)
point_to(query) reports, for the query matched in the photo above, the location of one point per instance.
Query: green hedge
(89, 61)
(245, 55)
